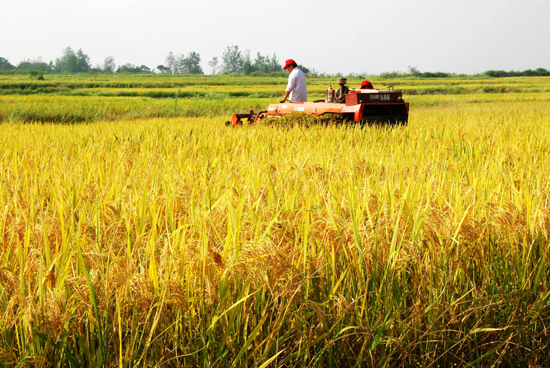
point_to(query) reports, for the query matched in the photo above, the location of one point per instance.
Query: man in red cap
(296, 88)
(366, 85)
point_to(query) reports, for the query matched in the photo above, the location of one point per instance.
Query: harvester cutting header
(365, 105)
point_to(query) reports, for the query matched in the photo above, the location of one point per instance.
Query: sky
(353, 36)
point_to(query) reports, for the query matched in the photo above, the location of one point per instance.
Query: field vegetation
(149, 234)
(85, 98)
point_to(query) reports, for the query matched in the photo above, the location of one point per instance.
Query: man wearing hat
(366, 85)
(296, 88)
(340, 94)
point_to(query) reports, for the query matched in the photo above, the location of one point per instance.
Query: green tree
(248, 66)
(260, 63)
(232, 60)
(273, 64)
(163, 69)
(266, 64)
(109, 65)
(37, 64)
(171, 63)
(132, 69)
(414, 70)
(144, 69)
(214, 64)
(541, 72)
(67, 62)
(5, 64)
(303, 69)
(190, 64)
(126, 68)
(83, 64)
(73, 62)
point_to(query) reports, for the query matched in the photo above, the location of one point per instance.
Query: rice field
(148, 234)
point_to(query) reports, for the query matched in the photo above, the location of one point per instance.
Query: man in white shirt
(296, 88)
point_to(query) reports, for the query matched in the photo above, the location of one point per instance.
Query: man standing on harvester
(296, 88)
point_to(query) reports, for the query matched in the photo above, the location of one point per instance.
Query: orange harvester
(366, 106)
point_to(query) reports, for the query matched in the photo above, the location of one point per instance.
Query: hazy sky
(353, 36)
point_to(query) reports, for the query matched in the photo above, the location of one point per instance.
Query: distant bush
(269, 74)
(239, 94)
(392, 75)
(36, 74)
(433, 75)
(415, 73)
(132, 69)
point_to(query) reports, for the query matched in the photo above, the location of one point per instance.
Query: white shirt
(297, 86)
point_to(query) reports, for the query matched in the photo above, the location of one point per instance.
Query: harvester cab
(363, 106)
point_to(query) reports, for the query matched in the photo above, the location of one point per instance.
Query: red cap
(288, 62)
(365, 84)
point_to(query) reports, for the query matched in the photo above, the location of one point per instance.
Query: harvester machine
(363, 106)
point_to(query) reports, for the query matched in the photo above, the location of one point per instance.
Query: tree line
(72, 62)
(415, 73)
(539, 72)
(232, 61)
